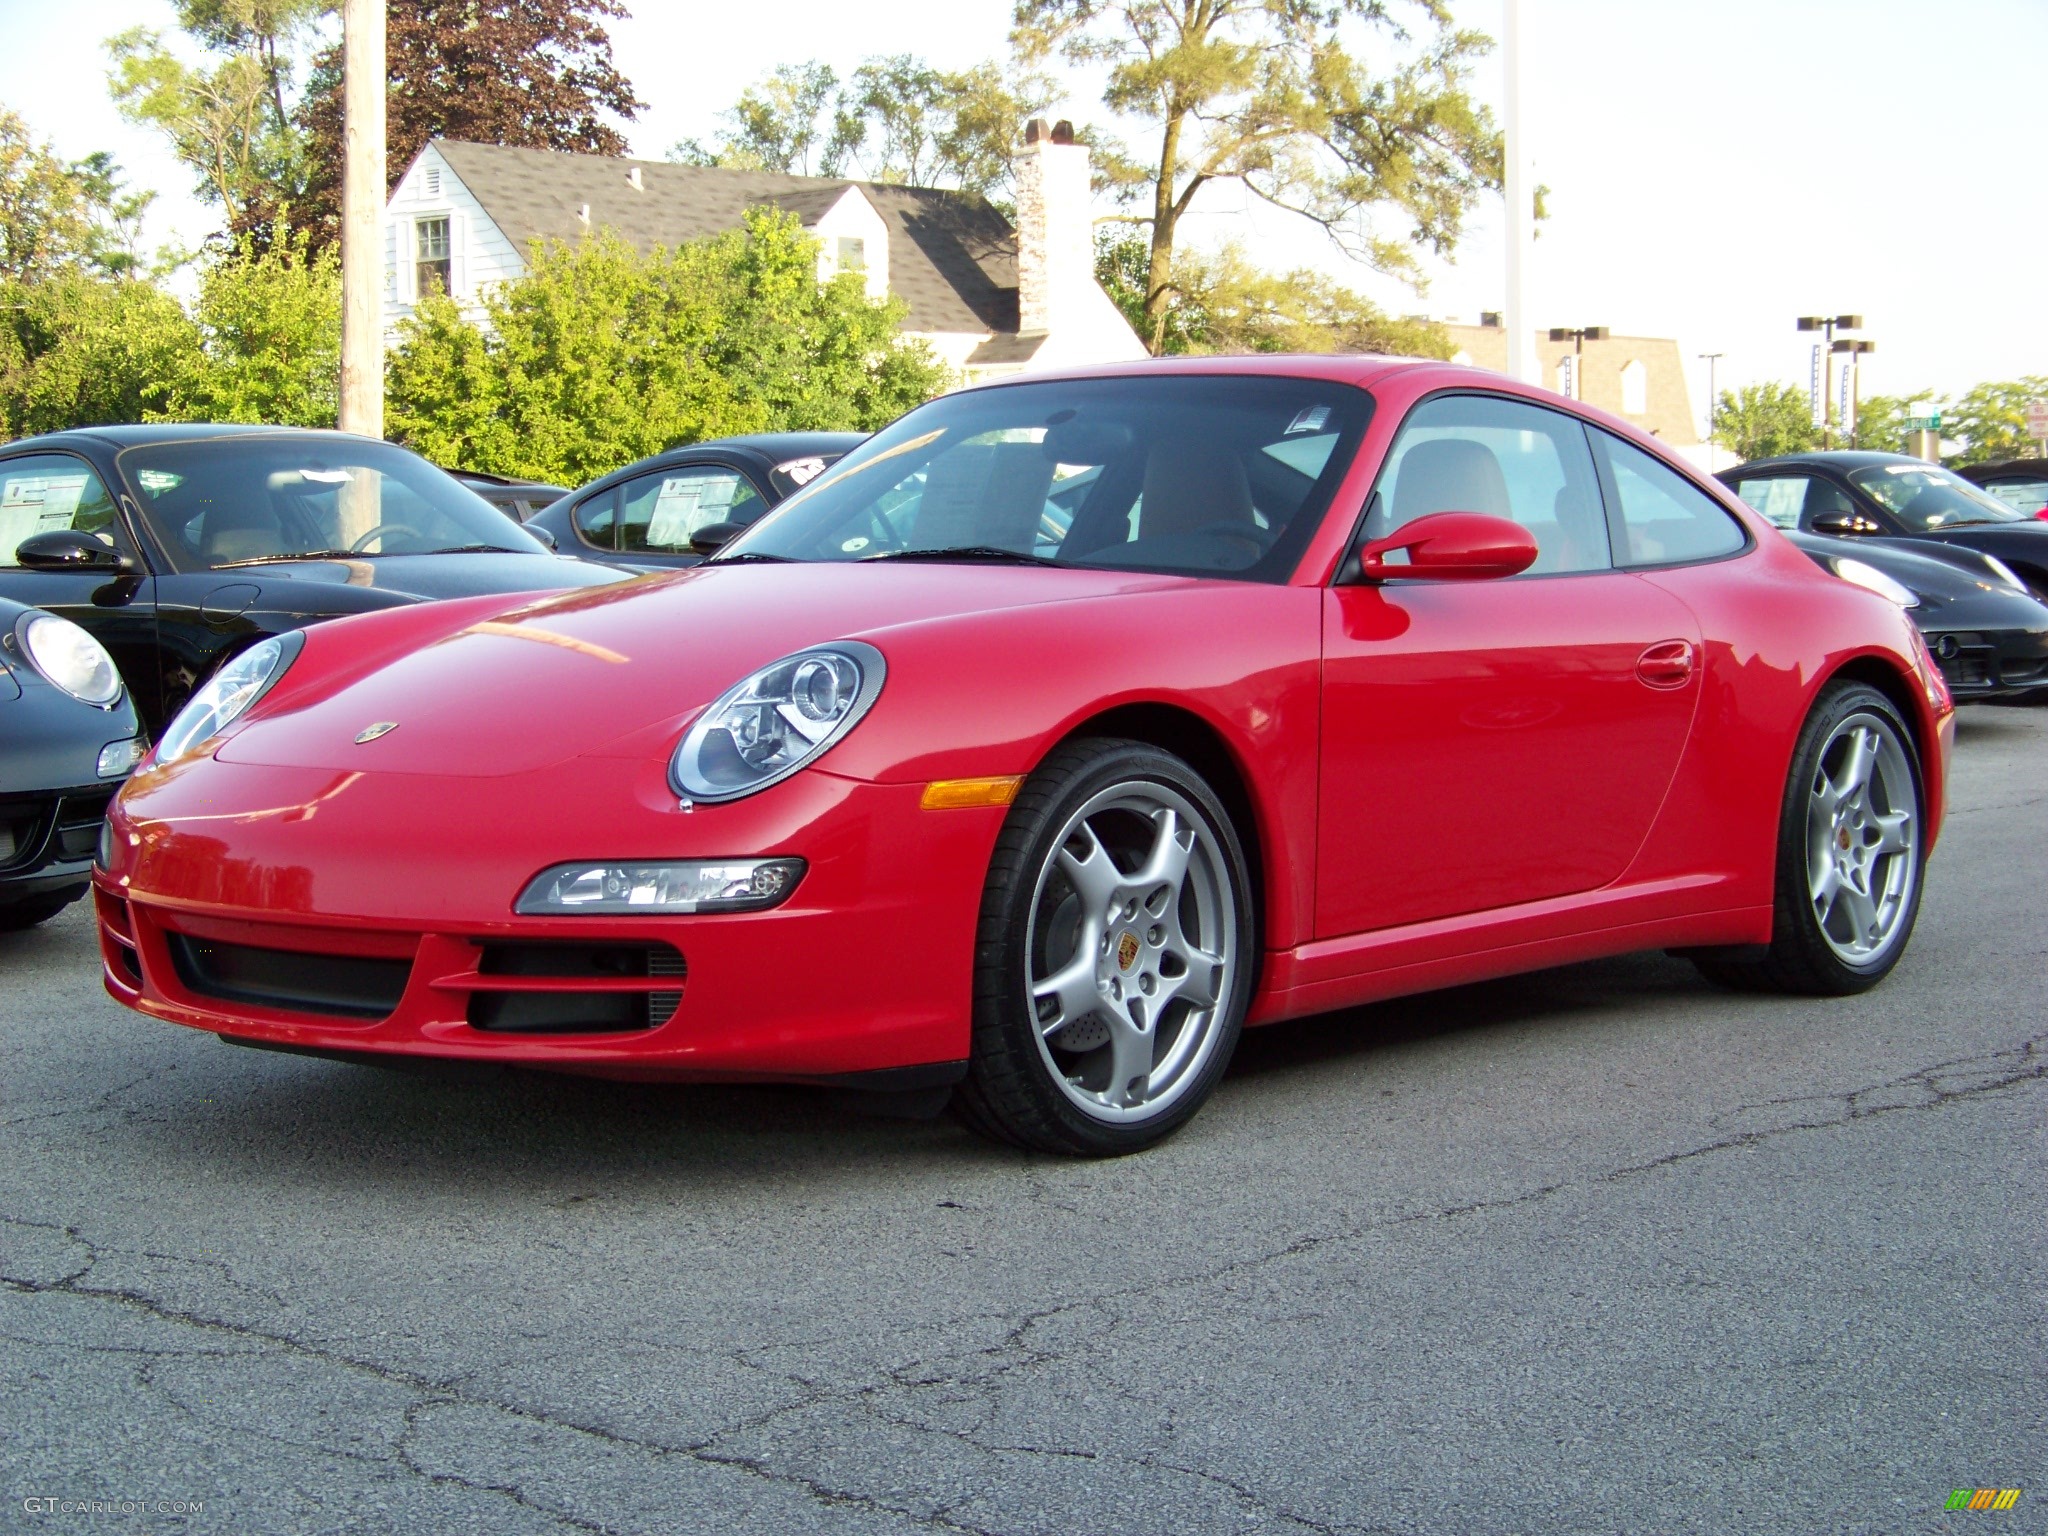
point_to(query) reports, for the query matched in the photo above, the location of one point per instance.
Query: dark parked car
(178, 546)
(674, 508)
(517, 499)
(68, 736)
(1891, 496)
(1987, 631)
(2021, 484)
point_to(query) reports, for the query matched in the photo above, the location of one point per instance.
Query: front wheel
(1851, 849)
(1113, 963)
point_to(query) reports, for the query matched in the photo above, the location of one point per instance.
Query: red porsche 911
(1066, 727)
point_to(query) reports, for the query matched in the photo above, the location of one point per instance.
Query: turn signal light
(962, 794)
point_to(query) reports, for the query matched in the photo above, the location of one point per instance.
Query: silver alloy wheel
(1131, 951)
(1862, 838)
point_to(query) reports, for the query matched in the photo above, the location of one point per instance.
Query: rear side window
(1480, 453)
(1660, 517)
(2028, 496)
(49, 492)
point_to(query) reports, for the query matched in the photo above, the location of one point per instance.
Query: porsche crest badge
(372, 732)
(1127, 950)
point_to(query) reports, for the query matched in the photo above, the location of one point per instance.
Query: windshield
(223, 501)
(1187, 474)
(1926, 496)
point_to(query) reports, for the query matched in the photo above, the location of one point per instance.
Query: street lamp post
(1578, 336)
(1852, 354)
(1827, 325)
(1713, 403)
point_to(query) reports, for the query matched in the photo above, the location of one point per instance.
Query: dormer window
(431, 257)
(850, 254)
(1635, 388)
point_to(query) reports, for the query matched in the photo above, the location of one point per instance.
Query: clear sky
(1716, 169)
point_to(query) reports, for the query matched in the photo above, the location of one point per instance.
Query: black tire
(1011, 1093)
(1800, 958)
(18, 915)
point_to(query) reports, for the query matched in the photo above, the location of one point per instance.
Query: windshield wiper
(464, 549)
(750, 557)
(992, 553)
(297, 554)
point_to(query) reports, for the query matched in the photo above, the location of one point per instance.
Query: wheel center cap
(1127, 951)
(1842, 837)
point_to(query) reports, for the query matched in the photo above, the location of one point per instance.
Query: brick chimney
(1055, 229)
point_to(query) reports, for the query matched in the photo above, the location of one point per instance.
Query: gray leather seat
(1192, 486)
(1448, 474)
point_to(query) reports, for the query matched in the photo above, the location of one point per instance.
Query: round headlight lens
(70, 658)
(226, 696)
(1869, 576)
(777, 720)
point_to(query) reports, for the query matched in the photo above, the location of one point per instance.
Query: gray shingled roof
(952, 257)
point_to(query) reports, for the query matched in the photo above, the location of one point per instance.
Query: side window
(1780, 498)
(1481, 453)
(50, 491)
(2029, 496)
(1661, 517)
(593, 519)
(659, 512)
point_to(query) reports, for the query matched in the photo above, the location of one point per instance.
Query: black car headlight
(774, 722)
(226, 696)
(69, 658)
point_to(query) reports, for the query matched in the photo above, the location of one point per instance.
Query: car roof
(1829, 458)
(2029, 468)
(779, 445)
(132, 433)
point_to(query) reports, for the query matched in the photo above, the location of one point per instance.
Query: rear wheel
(1851, 848)
(1114, 958)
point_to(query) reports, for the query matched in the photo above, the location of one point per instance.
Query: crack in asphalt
(1932, 1087)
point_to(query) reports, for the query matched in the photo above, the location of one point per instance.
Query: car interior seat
(237, 531)
(1193, 486)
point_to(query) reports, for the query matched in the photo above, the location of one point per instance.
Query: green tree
(79, 349)
(1990, 421)
(1759, 421)
(1269, 94)
(1881, 423)
(600, 355)
(896, 119)
(270, 338)
(536, 74)
(228, 117)
(45, 220)
(1221, 303)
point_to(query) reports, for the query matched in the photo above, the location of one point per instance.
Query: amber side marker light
(961, 794)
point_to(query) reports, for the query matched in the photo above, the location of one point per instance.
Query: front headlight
(1875, 580)
(226, 696)
(774, 722)
(721, 885)
(2004, 572)
(70, 658)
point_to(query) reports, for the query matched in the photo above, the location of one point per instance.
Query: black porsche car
(68, 737)
(1859, 495)
(2021, 484)
(1987, 631)
(177, 546)
(676, 507)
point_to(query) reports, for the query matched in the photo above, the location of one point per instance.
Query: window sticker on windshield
(687, 503)
(1311, 419)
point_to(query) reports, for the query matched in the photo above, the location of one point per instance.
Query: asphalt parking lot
(1598, 1250)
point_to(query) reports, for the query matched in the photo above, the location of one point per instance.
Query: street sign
(2037, 420)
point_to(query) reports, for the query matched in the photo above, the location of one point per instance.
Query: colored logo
(372, 732)
(1983, 1498)
(1127, 950)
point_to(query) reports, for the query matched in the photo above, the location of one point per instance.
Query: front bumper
(353, 914)
(47, 840)
(1990, 663)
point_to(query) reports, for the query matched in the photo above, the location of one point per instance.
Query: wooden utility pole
(362, 217)
(1521, 203)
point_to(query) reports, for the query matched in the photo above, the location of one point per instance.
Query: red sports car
(1067, 726)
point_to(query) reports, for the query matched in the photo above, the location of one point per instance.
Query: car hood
(1955, 586)
(612, 670)
(425, 577)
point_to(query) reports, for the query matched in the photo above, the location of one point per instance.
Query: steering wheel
(379, 531)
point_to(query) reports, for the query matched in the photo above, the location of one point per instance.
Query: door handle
(1667, 664)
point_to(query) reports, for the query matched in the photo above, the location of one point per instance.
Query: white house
(990, 298)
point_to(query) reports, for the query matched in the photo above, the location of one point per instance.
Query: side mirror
(713, 537)
(64, 549)
(544, 536)
(1451, 546)
(1843, 523)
